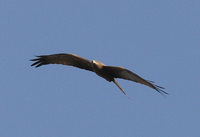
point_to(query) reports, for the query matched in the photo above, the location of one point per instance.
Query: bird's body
(98, 69)
(107, 72)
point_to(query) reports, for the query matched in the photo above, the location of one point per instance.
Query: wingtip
(162, 91)
(158, 88)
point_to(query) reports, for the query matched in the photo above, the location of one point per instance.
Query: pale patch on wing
(126, 74)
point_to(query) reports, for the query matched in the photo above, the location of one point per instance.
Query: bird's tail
(120, 87)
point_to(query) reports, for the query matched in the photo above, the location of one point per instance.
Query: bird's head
(97, 64)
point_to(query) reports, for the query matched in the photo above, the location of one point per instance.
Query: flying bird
(110, 73)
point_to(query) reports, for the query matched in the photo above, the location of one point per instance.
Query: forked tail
(120, 87)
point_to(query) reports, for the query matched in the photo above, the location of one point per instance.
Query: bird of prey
(110, 73)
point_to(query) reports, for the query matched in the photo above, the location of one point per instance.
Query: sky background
(158, 40)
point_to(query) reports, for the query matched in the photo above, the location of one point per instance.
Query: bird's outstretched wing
(119, 72)
(64, 59)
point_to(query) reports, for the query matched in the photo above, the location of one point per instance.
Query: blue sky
(158, 40)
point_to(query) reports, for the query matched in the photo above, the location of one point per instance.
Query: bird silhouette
(110, 73)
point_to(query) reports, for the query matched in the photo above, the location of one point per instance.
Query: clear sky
(158, 40)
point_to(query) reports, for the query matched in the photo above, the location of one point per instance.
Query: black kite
(107, 72)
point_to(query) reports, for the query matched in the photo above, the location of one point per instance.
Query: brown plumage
(107, 72)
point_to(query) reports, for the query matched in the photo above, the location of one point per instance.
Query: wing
(119, 72)
(64, 59)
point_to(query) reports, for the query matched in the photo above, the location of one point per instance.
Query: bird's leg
(120, 87)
